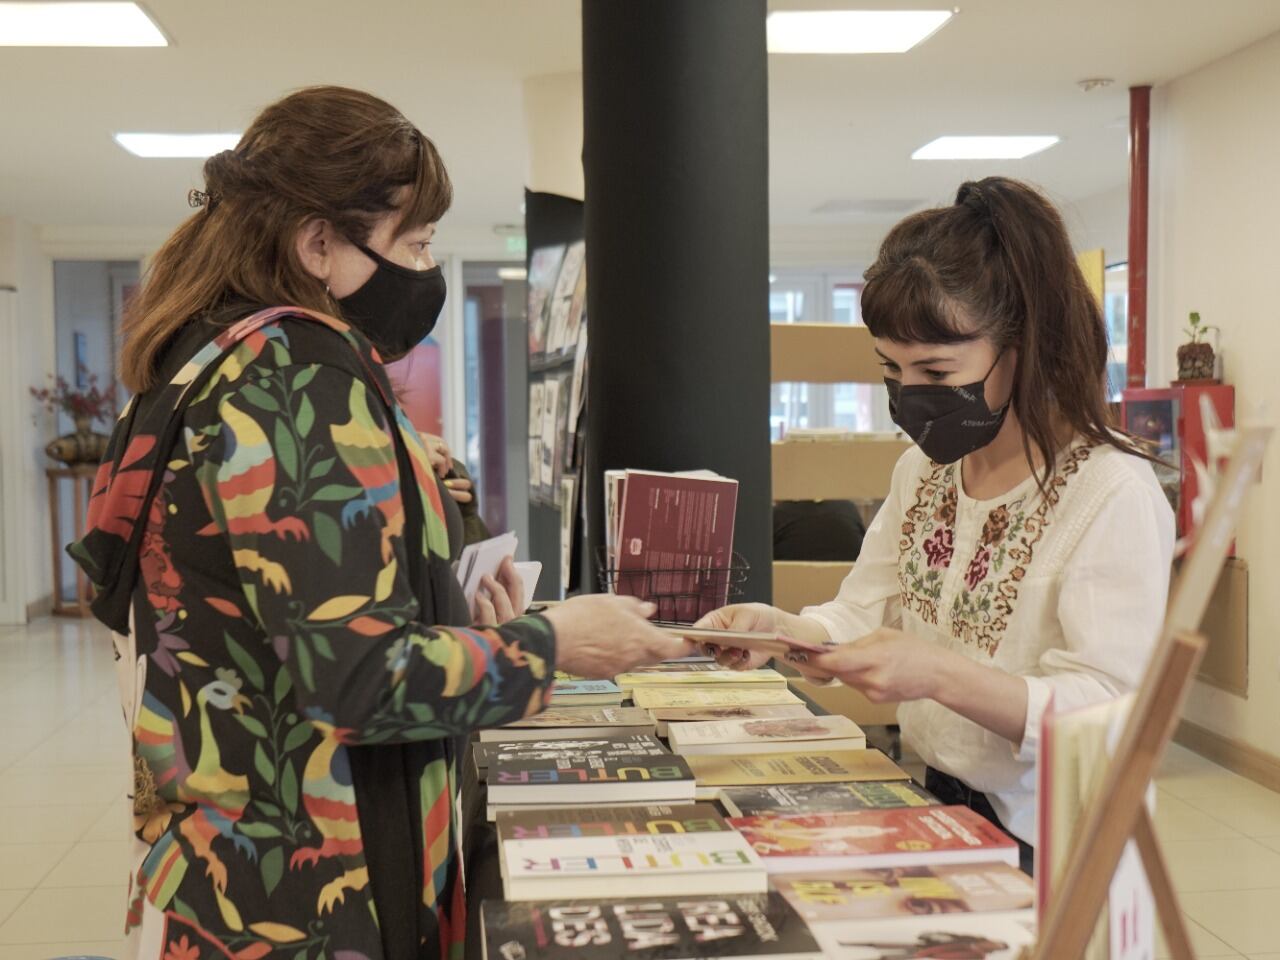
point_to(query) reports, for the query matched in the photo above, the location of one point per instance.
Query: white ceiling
(842, 128)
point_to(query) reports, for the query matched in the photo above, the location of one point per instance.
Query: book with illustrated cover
(537, 398)
(775, 735)
(961, 936)
(610, 821)
(653, 698)
(550, 410)
(612, 744)
(907, 891)
(685, 928)
(824, 797)
(544, 270)
(719, 679)
(675, 541)
(640, 865)
(585, 693)
(862, 839)
(577, 402)
(684, 665)
(562, 297)
(583, 774)
(573, 723)
(700, 795)
(801, 766)
(665, 716)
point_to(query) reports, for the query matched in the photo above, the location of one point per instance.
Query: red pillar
(1139, 170)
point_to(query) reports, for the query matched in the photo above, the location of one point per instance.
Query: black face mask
(397, 307)
(947, 423)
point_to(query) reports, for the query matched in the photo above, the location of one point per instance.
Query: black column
(676, 161)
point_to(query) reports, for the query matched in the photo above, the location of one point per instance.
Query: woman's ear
(314, 246)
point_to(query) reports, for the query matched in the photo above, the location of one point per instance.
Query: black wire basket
(682, 595)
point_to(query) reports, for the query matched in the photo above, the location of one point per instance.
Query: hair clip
(197, 198)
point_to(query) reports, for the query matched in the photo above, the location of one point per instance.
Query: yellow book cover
(807, 766)
(655, 697)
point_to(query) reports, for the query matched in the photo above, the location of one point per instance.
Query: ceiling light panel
(983, 148)
(199, 145)
(851, 31)
(77, 25)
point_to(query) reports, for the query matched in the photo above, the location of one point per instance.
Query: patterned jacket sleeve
(299, 475)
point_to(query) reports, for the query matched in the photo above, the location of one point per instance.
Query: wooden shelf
(822, 353)
(834, 469)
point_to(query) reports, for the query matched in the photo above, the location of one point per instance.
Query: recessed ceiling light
(851, 31)
(77, 25)
(198, 145)
(983, 148)
(512, 273)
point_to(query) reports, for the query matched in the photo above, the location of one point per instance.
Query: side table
(81, 477)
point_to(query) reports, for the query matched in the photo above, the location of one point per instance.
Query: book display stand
(1118, 811)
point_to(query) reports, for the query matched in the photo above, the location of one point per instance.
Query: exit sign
(516, 244)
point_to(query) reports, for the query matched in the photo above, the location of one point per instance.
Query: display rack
(681, 595)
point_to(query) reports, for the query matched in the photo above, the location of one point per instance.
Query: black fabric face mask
(947, 423)
(397, 307)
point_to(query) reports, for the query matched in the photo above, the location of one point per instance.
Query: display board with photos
(557, 303)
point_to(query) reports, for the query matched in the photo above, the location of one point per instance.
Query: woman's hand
(460, 489)
(887, 666)
(501, 599)
(438, 454)
(601, 635)
(745, 617)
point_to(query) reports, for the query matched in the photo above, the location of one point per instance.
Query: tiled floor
(63, 771)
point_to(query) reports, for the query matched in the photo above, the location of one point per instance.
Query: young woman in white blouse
(1023, 552)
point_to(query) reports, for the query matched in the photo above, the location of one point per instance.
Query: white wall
(1215, 204)
(24, 265)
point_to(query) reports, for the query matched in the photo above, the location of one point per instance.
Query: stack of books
(686, 810)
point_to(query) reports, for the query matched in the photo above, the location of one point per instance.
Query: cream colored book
(801, 766)
(654, 697)
(719, 679)
(664, 716)
(767, 735)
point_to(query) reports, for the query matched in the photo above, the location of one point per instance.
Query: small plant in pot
(1196, 357)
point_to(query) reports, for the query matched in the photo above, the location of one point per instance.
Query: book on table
(662, 928)
(885, 892)
(655, 698)
(861, 839)
(708, 795)
(580, 821)
(824, 797)
(960, 936)
(776, 735)
(573, 723)
(585, 773)
(801, 766)
(642, 865)
(664, 716)
(611, 745)
(674, 543)
(713, 679)
(585, 693)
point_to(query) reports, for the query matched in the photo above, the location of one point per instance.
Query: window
(1116, 312)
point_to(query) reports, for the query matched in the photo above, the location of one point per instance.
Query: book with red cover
(675, 541)
(863, 839)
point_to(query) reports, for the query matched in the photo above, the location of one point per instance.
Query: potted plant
(84, 406)
(1196, 361)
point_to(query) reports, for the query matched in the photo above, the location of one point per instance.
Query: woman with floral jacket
(273, 550)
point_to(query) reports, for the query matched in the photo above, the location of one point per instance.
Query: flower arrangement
(83, 405)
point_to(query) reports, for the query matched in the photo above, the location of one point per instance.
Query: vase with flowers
(84, 405)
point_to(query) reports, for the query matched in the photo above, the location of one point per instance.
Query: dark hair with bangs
(998, 264)
(329, 152)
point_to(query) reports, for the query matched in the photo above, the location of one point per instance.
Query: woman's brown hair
(998, 264)
(328, 152)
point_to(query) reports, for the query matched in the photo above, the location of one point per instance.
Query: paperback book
(653, 698)
(669, 864)
(824, 797)
(800, 766)
(681, 928)
(999, 936)
(782, 735)
(578, 821)
(907, 891)
(613, 745)
(584, 693)
(716, 679)
(862, 839)
(664, 716)
(584, 774)
(573, 723)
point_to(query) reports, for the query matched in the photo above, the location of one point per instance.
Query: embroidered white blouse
(1067, 591)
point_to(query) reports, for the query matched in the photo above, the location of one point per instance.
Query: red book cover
(861, 839)
(675, 542)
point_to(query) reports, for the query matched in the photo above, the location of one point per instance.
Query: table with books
(691, 811)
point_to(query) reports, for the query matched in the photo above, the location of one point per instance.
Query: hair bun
(228, 172)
